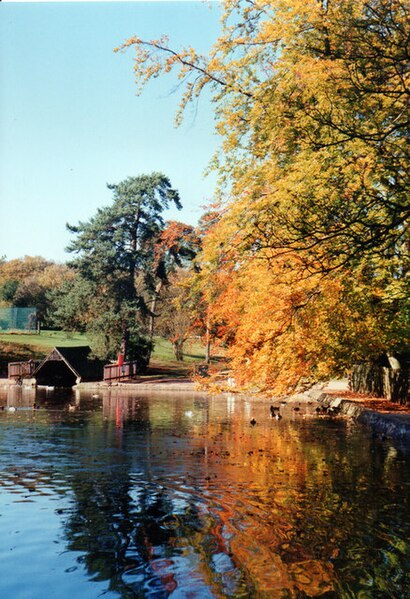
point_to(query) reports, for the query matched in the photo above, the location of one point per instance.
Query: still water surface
(123, 496)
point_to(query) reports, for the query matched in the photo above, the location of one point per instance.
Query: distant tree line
(31, 281)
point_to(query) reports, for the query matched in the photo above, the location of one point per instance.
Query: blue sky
(70, 120)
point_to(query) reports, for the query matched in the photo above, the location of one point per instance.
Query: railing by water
(21, 370)
(116, 372)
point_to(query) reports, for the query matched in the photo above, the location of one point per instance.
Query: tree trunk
(178, 346)
(208, 343)
(152, 315)
(153, 307)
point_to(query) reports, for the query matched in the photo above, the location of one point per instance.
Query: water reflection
(161, 495)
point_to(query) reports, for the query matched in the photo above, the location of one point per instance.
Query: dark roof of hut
(75, 359)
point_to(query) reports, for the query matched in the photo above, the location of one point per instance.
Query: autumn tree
(175, 317)
(175, 248)
(311, 102)
(22, 268)
(203, 287)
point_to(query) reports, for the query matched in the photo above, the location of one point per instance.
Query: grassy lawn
(46, 339)
(193, 350)
(163, 363)
(16, 347)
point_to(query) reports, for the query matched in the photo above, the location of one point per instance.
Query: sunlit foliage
(307, 269)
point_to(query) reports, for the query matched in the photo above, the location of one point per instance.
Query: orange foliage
(306, 270)
(281, 322)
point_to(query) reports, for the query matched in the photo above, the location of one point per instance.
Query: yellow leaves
(54, 275)
(35, 267)
(311, 105)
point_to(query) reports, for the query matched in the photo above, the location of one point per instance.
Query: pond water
(159, 495)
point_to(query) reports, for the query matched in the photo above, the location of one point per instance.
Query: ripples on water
(179, 496)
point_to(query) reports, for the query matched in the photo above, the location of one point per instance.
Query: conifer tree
(115, 254)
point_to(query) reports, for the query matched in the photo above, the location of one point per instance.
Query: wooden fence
(21, 370)
(114, 372)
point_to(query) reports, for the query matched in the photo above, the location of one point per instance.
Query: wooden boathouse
(63, 367)
(69, 366)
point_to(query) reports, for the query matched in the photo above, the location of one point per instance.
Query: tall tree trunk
(153, 307)
(208, 343)
(152, 315)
